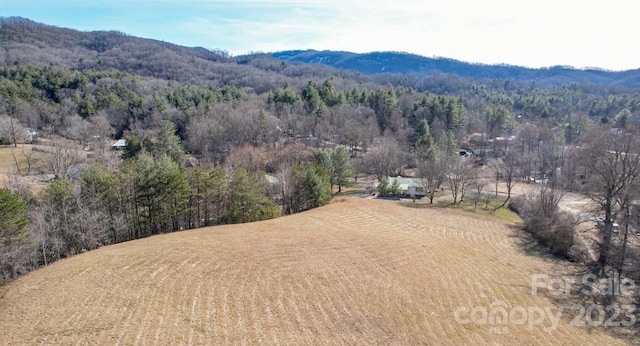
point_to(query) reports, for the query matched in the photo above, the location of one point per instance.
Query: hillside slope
(353, 272)
(26, 42)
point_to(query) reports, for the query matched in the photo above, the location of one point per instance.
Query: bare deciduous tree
(78, 129)
(11, 130)
(101, 133)
(459, 177)
(506, 169)
(383, 159)
(432, 174)
(249, 157)
(60, 156)
(612, 165)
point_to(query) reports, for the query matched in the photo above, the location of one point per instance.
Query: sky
(539, 33)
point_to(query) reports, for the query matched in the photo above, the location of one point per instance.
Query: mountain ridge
(409, 63)
(25, 41)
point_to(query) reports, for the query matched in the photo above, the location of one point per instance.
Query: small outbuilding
(120, 144)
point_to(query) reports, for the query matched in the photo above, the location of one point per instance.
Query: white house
(31, 133)
(408, 186)
(120, 144)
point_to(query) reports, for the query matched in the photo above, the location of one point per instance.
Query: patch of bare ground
(355, 272)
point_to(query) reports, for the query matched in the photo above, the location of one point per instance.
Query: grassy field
(25, 164)
(491, 211)
(354, 272)
(9, 155)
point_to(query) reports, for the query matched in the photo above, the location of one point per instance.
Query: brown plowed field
(355, 272)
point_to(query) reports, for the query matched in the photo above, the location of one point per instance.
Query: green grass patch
(489, 211)
(350, 190)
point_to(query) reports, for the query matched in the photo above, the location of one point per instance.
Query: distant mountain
(30, 43)
(23, 41)
(405, 63)
(37, 44)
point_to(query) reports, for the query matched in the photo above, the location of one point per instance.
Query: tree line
(152, 192)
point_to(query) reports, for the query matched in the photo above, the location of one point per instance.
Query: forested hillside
(397, 62)
(268, 137)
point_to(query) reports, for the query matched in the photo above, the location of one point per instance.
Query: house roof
(405, 182)
(271, 179)
(120, 143)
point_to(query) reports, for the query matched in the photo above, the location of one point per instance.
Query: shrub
(551, 227)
